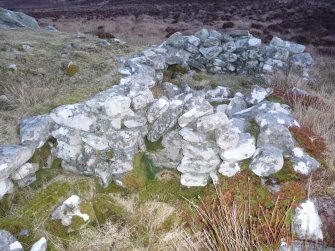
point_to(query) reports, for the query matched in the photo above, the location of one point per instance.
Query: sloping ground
(41, 81)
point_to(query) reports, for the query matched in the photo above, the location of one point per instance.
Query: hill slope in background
(308, 22)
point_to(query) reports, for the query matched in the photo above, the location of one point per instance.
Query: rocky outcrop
(11, 19)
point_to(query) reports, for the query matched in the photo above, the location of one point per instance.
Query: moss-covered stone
(105, 208)
(77, 223)
(72, 69)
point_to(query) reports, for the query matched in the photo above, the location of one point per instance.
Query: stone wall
(101, 136)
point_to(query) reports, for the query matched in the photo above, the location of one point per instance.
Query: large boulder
(11, 19)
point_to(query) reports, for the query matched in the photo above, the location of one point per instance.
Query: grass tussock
(229, 225)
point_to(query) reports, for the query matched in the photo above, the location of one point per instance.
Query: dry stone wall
(101, 136)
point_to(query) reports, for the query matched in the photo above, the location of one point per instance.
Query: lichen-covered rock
(157, 108)
(69, 211)
(210, 52)
(257, 94)
(236, 104)
(166, 121)
(193, 114)
(190, 135)
(266, 161)
(302, 162)
(194, 180)
(306, 223)
(12, 157)
(229, 169)
(292, 47)
(244, 149)
(274, 117)
(96, 141)
(8, 242)
(35, 130)
(211, 122)
(278, 136)
(75, 116)
(219, 94)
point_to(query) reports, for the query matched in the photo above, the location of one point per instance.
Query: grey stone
(210, 52)
(211, 122)
(262, 107)
(292, 47)
(26, 181)
(190, 135)
(219, 94)
(12, 157)
(211, 42)
(35, 130)
(166, 121)
(40, 245)
(266, 161)
(68, 209)
(11, 19)
(302, 60)
(176, 40)
(193, 114)
(235, 105)
(157, 108)
(75, 116)
(278, 136)
(194, 180)
(135, 121)
(304, 245)
(302, 162)
(229, 169)
(6, 187)
(243, 149)
(202, 34)
(257, 94)
(96, 141)
(228, 57)
(239, 33)
(24, 171)
(8, 242)
(274, 117)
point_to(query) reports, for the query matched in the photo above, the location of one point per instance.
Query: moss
(254, 129)
(150, 167)
(137, 178)
(287, 173)
(105, 208)
(15, 226)
(43, 202)
(87, 208)
(213, 84)
(77, 223)
(72, 69)
(199, 77)
(276, 99)
(173, 71)
(56, 228)
(154, 146)
(170, 223)
(109, 154)
(44, 175)
(168, 191)
(215, 103)
(41, 155)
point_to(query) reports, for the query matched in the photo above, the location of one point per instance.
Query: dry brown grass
(40, 84)
(227, 225)
(316, 112)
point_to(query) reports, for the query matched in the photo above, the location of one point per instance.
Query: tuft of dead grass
(228, 225)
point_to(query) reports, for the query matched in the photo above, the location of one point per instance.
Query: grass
(38, 86)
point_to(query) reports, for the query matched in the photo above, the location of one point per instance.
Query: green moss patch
(105, 208)
(154, 146)
(173, 71)
(287, 173)
(276, 99)
(254, 129)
